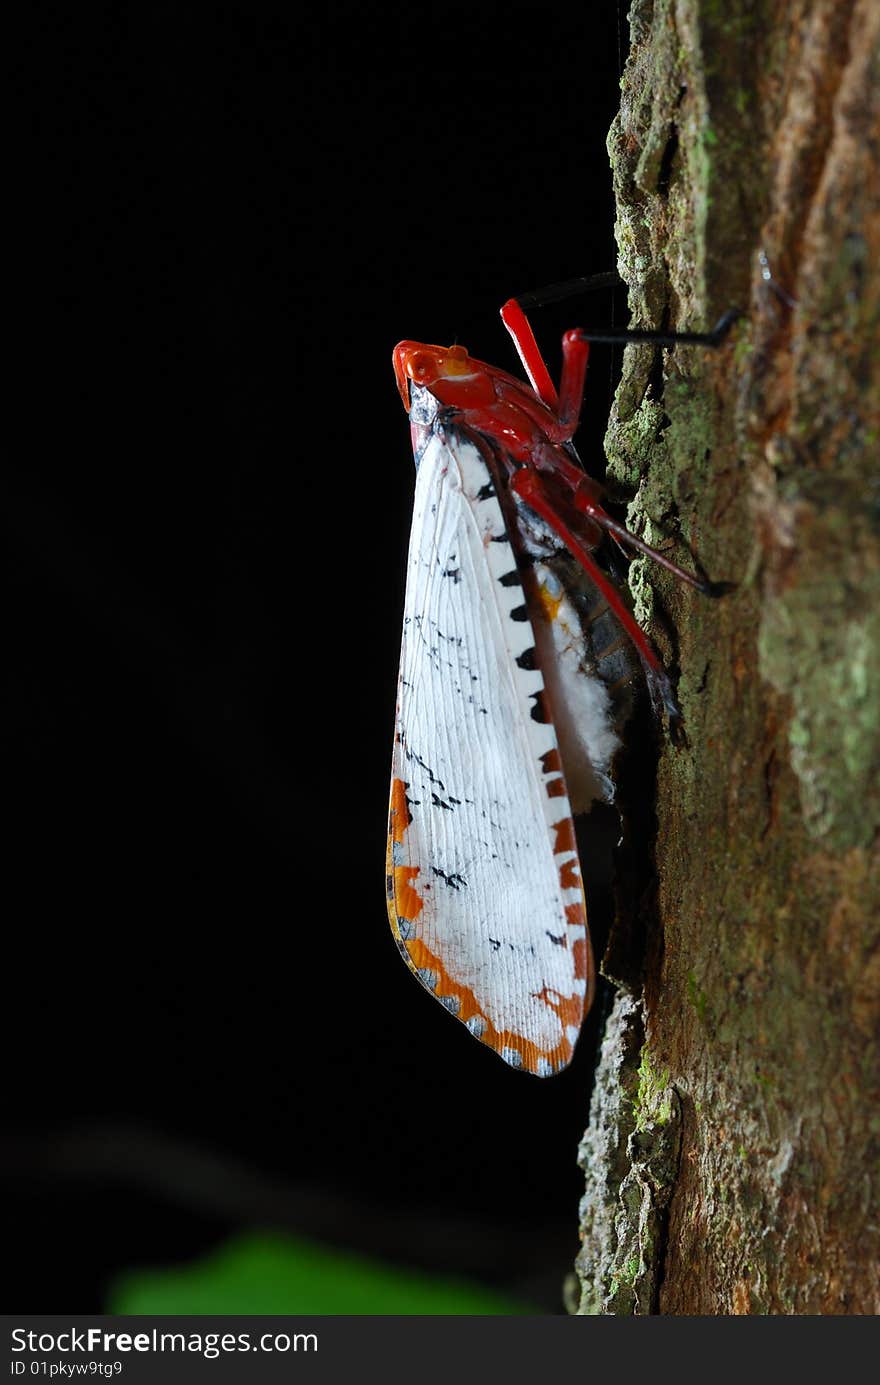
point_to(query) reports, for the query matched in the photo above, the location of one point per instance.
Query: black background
(227, 221)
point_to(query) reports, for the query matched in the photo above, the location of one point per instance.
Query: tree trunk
(732, 1153)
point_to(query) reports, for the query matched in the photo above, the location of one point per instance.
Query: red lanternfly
(505, 720)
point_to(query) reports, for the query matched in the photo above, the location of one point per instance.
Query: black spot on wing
(528, 660)
(455, 882)
(411, 755)
(511, 579)
(539, 709)
(486, 492)
(519, 613)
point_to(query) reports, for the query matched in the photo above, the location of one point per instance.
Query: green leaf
(270, 1273)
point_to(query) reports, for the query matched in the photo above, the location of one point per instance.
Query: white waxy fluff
(581, 704)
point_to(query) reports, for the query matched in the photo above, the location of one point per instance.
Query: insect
(511, 657)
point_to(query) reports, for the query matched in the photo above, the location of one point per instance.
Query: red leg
(514, 318)
(583, 495)
(575, 354)
(584, 502)
(566, 405)
(575, 349)
(530, 486)
(517, 325)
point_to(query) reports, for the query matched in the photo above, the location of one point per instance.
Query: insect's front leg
(566, 406)
(575, 353)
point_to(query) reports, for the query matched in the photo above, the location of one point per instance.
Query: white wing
(484, 885)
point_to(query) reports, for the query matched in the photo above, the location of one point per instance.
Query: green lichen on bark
(654, 1097)
(831, 670)
(748, 129)
(630, 1157)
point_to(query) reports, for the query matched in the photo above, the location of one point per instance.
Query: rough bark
(732, 1153)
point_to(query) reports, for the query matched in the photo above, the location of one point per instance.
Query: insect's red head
(426, 365)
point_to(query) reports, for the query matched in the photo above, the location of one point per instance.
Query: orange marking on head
(457, 362)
